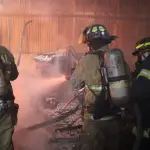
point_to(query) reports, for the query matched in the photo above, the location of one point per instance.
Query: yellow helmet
(142, 46)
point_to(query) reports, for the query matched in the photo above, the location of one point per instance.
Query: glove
(9, 66)
(14, 114)
(67, 77)
(5, 59)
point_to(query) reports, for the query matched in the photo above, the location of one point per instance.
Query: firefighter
(99, 129)
(8, 109)
(140, 91)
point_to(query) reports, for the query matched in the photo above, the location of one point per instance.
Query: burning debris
(52, 102)
(70, 120)
(65, 133)
(63, 124)
(63, 60)
(31, 90)
(46, 101)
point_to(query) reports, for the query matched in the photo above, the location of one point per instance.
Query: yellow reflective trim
(87, 116)
(97, 92)
(140, 45)
(2, 57)
(134, 131)
(94, 87)
(145, 133)
(144, 73)
(94, 29)
(101, 28)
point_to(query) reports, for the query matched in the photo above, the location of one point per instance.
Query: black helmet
(142, 45)
(96, 31)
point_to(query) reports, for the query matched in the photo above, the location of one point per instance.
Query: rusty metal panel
(50, 33)
(93, 7)
(44, 34)
(65, 31)
(112, 7)
(60, 27)
(15, 30)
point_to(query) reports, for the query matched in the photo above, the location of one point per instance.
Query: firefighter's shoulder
(90, 59)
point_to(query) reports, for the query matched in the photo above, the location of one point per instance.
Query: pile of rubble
(58, 111)
(64, 134)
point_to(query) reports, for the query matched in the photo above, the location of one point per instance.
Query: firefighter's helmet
(96, 31)
(142, 46)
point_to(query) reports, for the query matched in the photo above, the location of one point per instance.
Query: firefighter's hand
(4, 59)
(68, 77)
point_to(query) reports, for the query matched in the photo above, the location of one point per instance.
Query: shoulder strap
(104, 77)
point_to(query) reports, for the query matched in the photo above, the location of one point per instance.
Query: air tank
(118, 77)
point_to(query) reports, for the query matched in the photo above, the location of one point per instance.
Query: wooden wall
(58, 23)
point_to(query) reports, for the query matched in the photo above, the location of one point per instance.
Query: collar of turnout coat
(100, 50)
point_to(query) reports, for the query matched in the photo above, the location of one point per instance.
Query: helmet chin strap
(89, 46)
(93, 48)
(142, 57)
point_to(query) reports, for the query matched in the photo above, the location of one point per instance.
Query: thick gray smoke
(29, 89)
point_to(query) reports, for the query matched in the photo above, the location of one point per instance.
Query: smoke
(29, 89)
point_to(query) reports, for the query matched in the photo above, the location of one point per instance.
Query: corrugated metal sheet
(62, 25)
(49, 33)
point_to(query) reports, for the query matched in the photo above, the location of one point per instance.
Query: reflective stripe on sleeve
(95, 88)
(145, 133)
(144, 73)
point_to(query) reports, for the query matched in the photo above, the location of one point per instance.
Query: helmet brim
(135, 53)
(107, 38)
(112, 37)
